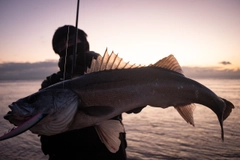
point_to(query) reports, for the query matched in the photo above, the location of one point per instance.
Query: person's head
(64, 39)
(63, 44)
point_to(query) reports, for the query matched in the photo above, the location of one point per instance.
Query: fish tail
(228, 108)
(224, 114)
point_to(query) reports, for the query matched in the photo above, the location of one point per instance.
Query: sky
(199, 33)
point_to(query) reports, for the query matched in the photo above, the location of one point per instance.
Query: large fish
(107, 91)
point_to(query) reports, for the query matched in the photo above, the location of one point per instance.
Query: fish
(111, 87)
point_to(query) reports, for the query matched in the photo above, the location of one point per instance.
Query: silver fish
(109, 88)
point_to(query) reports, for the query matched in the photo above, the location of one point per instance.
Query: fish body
(94, 98)
(126, 89)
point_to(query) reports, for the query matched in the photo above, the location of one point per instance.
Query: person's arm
(50, 80)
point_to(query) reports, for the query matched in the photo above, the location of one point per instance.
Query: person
(82, 143)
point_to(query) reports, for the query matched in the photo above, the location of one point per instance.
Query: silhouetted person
(82, 143)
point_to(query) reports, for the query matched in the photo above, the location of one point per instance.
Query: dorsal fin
(170, 63)
(109, 62)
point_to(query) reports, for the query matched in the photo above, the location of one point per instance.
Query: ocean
(153, 134)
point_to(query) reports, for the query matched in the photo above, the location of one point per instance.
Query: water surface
(153, 134)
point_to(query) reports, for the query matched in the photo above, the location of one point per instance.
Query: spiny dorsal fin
(170, 63)
(108, 132)
(109, 62)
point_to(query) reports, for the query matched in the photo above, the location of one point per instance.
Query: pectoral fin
(23, 127)
(108, 132)
(97, 110)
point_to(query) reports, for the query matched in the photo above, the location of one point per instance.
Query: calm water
(153, 134)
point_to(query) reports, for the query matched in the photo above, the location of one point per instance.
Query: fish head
(58, 105)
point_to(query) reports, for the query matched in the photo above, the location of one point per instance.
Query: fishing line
(65, 58)
(75, 49)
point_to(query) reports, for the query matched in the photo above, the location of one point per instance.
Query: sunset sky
(202, 33)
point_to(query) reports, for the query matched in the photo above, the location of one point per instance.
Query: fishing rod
(75, 46)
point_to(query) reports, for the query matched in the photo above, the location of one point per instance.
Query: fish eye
(32, 99)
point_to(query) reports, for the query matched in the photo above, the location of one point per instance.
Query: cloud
(225, 62)
(40, 70)
(27, 71)
(211, 72)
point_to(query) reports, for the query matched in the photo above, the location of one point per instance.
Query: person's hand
(136, 110)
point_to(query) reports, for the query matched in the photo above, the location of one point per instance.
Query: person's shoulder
(93, 54)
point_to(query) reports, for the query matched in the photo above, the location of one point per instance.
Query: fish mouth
(20, 110)
(23, 126)
(15, 119)
(17, 115)
(8, 115)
